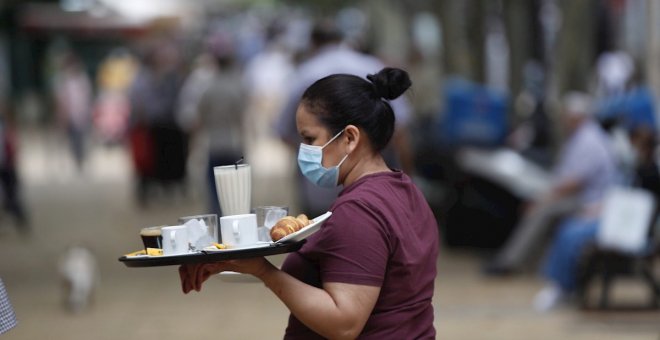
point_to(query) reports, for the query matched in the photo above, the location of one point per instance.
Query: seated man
(561, 266)
(586, 168)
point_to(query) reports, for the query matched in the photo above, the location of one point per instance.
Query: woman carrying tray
(369, 272)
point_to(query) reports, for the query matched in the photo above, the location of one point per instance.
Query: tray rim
(159, 261)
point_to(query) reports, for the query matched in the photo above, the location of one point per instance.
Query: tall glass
(267, 216)
(208, 220)
(234, 185)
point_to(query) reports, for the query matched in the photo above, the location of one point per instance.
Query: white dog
(80, 275)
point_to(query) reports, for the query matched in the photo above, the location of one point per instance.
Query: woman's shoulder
(352, 224)
(368, 199)
(377, 179)
(390, 197)
(377, 187)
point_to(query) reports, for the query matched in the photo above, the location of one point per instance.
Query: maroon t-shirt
(381, 233)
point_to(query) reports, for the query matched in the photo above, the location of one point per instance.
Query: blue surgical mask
(310, 160)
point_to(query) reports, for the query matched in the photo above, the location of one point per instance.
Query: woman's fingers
(199, 277)
(205, 271)
(203, 274)
(184, 275)
(188, 275)
(194, 275)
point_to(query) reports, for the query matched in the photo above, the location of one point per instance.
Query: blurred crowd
(222, 100)
(230, 93)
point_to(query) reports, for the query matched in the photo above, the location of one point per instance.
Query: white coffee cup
(175, 240)
(239, 230)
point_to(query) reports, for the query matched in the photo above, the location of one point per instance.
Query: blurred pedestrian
(7, 316)
(10, 184)
(198, 81)
(112, 107)
(73, 98)
(159, 144)
(9, 177)
(272, 65)
(216, 118)
(586, 168)
(329, 56)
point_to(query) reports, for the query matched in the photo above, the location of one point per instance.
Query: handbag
(625, 219)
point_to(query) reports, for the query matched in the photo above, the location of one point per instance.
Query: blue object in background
(473, 115)
(633, 109)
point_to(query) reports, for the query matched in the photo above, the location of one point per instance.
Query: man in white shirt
(585, 170)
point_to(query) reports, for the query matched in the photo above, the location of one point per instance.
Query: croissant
(303, 218)
(288, 225)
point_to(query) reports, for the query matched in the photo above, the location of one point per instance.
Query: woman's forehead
(308, 122)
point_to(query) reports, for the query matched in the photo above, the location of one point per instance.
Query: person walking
(369, 272)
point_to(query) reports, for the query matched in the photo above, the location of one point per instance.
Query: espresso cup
(175, 240)
(239, 230)
(151, 237)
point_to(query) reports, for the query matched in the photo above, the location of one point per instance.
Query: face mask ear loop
(333, 138)
(342, 161)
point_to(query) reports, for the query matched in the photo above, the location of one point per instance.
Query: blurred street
(96, 209)
(531, 129)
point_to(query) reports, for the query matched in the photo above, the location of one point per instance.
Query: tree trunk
(653, 50)
(575, 46)
(518, 22)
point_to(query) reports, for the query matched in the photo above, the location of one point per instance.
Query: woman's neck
(365, 165)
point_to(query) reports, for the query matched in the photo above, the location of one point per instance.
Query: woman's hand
(194, 275)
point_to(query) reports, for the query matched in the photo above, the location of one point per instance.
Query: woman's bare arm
(336, 311)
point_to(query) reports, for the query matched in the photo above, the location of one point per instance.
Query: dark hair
(342, 99)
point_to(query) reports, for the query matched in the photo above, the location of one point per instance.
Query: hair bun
(390, 82)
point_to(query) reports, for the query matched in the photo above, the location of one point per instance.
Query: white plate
(306, 231)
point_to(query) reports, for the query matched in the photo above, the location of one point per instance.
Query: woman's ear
(353, 137)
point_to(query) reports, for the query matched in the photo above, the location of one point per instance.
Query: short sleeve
(582, 159)
(575, 166)
(353, 247)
